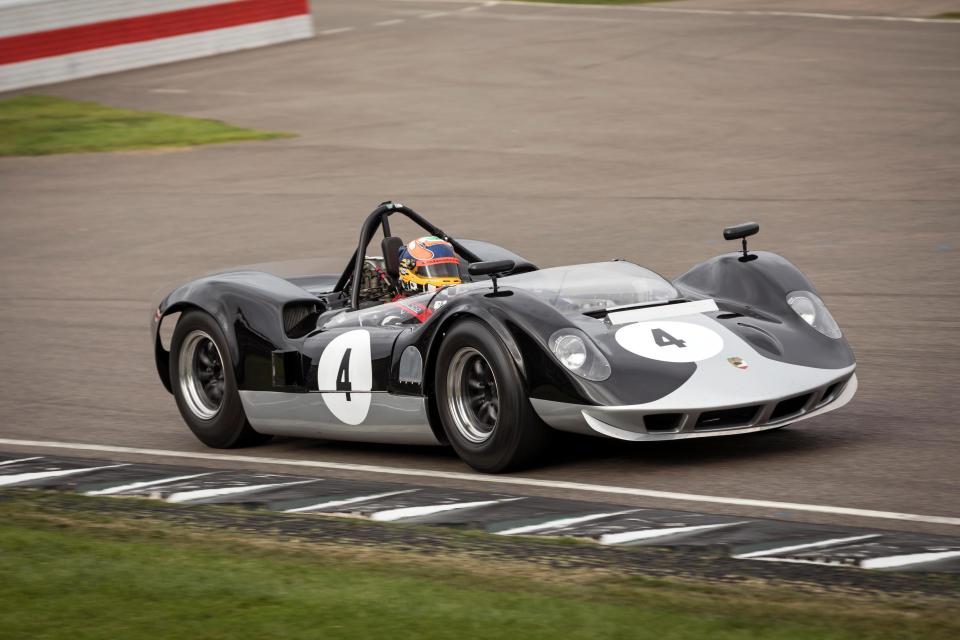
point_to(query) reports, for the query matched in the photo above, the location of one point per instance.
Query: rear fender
(247, 306)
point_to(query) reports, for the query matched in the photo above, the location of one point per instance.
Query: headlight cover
(578, 354)
(810, 307)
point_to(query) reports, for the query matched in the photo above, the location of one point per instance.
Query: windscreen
(594, 287)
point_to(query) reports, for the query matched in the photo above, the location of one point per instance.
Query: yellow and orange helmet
(428, 263)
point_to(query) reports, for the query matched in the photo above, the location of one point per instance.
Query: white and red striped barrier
(45, 41)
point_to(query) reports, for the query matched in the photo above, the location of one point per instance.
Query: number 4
(664, 339)
(343, 376)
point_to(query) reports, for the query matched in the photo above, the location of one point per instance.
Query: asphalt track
(569, 135)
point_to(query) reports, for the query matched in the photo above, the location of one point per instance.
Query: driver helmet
(428, 263)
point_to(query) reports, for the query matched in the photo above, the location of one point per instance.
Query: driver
(428, 263)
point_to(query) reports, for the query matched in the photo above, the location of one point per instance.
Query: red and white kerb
(45, 41)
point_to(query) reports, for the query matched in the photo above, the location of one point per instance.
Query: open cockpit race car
(495, 364)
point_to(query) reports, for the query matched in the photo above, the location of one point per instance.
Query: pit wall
(47, 41)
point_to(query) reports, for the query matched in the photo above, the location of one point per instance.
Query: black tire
(515, 437)
(217, 419)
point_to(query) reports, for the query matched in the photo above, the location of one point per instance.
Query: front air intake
(789, 407)
(662, 422)
(726, 418)
(832, 392)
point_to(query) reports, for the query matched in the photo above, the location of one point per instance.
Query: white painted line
(20, 460)
(560, 523)
(169, 91)
(133, 486)
(476, 478)
(330, 32)
(663, 311)
(332, 504)
(889, 562)
(21, 478)
(430, 16)
(201, 494)
(392, 515)
(808, 545)
(468, 9)
(649, 534)
(388, 23)
(713, 12)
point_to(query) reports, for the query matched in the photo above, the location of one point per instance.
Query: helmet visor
(445, 269)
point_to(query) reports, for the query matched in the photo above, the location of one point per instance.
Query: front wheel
(201, 375)
(485, 412)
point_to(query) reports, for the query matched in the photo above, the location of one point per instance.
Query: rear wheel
(204, 384)
(485, 412)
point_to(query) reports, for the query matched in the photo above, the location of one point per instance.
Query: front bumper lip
(629, 422)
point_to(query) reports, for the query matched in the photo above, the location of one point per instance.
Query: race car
(501, 354)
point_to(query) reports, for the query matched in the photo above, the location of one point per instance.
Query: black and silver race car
(492, 366)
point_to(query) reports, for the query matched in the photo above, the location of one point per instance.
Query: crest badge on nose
(738, 362)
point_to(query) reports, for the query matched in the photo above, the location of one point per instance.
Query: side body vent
(300, 318)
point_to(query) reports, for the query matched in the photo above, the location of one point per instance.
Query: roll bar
(381, 217)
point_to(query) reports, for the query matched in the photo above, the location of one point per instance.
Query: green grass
(92, 575)
(41, 125)
(949, 15)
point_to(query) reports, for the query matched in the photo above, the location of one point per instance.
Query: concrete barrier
(46, 41)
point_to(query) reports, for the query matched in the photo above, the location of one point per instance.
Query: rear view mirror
(742, 232)
(739, 231)
(491, 268)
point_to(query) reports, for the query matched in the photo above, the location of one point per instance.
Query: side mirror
(742, 232)
(493, 269)
(490, 268)
(391, 246)
(739, 231)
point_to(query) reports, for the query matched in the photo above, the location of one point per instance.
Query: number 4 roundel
(345, 377)
(670, 341)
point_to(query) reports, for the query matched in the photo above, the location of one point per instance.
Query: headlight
(811, 308)
(576, 352)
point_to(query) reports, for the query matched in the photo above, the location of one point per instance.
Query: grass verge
(949, 15)
(41, 125)
(80, 568)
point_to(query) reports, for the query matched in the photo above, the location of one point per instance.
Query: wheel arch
(162, 355)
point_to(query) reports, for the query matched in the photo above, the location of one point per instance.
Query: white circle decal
(345, 376)
(670, 341)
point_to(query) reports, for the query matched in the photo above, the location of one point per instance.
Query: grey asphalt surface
(568, 135)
